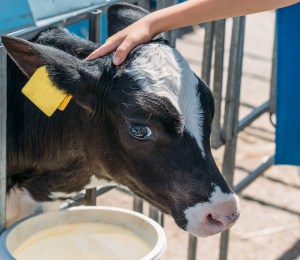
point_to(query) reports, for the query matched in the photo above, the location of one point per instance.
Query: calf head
(152, 116)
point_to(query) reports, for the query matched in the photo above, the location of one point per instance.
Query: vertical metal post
(206, 69)
(234, 79)
(137, 204)
(171, 35)
(216, 138)
(232, 111)
(153, 213)
(273, 80)
(144, 4)
(95, 36)
(192, 250)
(3, 115)
(159, 4)
(208, 51)
(95, 26)
(91, 197)
(156, 215)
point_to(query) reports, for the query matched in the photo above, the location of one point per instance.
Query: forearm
(198, 11)
(187, 13)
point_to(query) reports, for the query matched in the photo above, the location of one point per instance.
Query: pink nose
(221, 217)
(211, 218)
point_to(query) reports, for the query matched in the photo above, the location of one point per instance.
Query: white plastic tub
(85, 233)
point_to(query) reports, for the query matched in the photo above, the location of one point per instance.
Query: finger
(122, 51)
(103, 50)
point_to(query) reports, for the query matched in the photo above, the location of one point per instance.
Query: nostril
(233, 217)
(222, 221)
(214, 220)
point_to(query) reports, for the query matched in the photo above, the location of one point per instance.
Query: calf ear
(23, 54)
(69, 74)
(121, 15)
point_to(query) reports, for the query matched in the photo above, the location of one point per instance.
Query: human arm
(184, 14)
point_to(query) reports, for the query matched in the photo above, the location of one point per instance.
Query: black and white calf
(145, 124)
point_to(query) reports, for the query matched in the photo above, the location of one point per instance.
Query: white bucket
(150, 235)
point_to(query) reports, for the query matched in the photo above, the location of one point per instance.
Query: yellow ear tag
(43, 93)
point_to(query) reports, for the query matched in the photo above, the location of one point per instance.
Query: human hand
(124, 41)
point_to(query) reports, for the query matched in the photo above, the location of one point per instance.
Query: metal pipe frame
(232, 111)
(138, 204)
(171, 35)
(95, 36)
(216, 134)
(208, 51)
(3, 115)
(253, 175)
(256, 113)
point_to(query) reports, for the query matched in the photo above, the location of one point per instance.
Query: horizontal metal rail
(256, 113)
(82, 199)
(253, 175)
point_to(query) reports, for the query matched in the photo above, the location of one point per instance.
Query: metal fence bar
(206, 71)
(3, 113)
(95, 26)
(90, 197)
(171, 35)
(192, 248)
(208, 51)
(80, 198)
(232, 111)
(273, 80)
(232, 99)
(216, 134)
(153, 213)
(137, 204)
(144, 4)
(31, 32)
(254, 175)
(256, 113)
(94, 35)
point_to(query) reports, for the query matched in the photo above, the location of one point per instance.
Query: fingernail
(116, 60)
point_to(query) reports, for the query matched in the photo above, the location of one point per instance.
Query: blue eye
(140, 132)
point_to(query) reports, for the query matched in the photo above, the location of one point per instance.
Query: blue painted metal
(288, 86)
(82, 28)
(15, 15)
(50, 8)
(19, 14)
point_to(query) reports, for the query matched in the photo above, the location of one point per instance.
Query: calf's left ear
(69, 74)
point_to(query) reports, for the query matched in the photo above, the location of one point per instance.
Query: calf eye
(140, 132)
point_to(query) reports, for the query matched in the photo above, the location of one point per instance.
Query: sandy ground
(269, 226)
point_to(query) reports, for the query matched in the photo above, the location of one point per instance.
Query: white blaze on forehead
(162, 71)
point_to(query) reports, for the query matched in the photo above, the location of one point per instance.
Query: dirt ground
(269, 226)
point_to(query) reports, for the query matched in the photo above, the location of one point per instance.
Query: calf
(145, 124)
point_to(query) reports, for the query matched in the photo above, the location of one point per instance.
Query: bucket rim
(155, 253)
